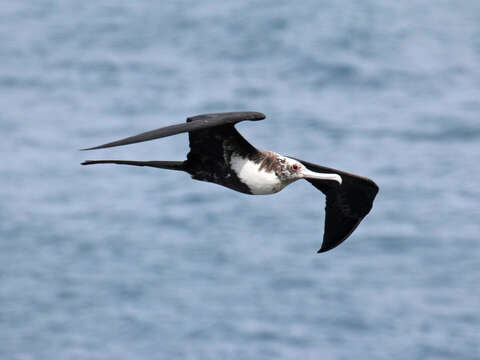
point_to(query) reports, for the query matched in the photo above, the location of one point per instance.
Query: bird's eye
(295, 167)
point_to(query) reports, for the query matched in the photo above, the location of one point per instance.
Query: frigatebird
(219, 154)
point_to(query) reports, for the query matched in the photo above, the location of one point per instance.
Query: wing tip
(329, 244)
(326, 248)
(104, 146)
(257, 116)
(234, 116)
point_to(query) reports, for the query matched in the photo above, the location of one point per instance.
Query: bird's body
(258, 178)
(219, 154)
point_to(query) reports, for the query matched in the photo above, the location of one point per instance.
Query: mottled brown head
(289, 170)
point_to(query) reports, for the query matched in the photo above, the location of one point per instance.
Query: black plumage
(215, 145)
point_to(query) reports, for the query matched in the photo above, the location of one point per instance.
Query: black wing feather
(346, 206)
(193, 123)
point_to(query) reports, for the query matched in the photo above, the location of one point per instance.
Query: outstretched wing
(194, 123)
(347, 204)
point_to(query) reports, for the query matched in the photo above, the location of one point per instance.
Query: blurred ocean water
(131, 263)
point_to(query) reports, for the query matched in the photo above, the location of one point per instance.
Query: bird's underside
(219, 154)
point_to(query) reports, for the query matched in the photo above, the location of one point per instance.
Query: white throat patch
(260, 182)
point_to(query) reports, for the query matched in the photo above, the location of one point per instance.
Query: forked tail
(170, 165)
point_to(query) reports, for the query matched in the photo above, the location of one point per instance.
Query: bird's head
(294, 170)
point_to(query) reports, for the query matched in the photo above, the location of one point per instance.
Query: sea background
(113, 262)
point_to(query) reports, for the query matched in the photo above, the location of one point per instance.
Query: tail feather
(170, 165)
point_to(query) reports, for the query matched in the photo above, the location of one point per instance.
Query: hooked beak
(307, 174)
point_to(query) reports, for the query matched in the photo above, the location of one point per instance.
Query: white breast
(259, 182)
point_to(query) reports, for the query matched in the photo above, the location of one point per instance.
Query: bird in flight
(219, 154)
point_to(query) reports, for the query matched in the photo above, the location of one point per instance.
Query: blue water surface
(113, 262)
